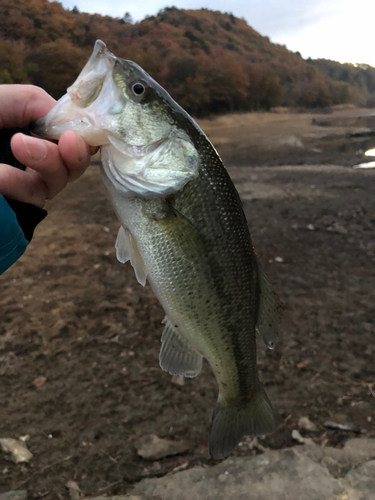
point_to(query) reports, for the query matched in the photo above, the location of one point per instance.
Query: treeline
(361, 77)
(210, 62)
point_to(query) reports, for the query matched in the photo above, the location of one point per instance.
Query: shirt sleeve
(12, 239)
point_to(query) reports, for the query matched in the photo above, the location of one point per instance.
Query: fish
(183, 229)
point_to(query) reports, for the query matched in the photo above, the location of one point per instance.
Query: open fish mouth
(85, 106)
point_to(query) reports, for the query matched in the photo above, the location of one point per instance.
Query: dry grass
(267, 129)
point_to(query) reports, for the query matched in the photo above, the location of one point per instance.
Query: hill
(209, 61)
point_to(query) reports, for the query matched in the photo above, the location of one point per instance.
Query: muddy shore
(72, 314)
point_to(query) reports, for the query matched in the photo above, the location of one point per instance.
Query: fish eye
(139, 89)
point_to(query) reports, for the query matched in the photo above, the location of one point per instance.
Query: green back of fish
(212, 204)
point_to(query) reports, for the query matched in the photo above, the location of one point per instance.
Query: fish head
(145, 136)
(112, 96)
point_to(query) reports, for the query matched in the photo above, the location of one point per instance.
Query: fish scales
(224, 263)
(183, 229)
(213, 205)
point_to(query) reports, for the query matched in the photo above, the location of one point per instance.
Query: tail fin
(230, 423)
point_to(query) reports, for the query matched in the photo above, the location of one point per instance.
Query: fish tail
(231, 422)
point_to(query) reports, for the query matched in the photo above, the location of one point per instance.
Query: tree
(264, 90)
(127, 18)
(12, 68)
(59, 64)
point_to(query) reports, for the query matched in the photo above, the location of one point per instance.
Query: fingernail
(82, 149)
(36, 148)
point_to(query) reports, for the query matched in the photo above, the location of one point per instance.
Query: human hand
(49, 166)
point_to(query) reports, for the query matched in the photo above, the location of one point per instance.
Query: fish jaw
(86, 107)
(66, 116)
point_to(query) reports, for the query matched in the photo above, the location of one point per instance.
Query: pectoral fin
(269, 314)
(176, 354)
(126, 249)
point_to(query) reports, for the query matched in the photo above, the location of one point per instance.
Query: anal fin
(126, 249)
(176, 355)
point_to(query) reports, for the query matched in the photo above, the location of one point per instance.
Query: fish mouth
(83, 107)
(60, 119)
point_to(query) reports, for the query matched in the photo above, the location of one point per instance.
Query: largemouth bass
(183, 229)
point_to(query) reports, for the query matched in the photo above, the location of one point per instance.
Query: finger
(56, 164)
(23, 186)
(22, 104)
(43, 157)
(75, 153)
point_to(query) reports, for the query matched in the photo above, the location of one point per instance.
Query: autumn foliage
(210, 62)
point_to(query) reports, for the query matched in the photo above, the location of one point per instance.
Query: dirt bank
(339, 138)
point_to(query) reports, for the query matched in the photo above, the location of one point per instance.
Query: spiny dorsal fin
(270, 310)
(176, 354)
(126, 249)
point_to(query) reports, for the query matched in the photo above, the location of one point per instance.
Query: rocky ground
(307, 471)
(79, 341)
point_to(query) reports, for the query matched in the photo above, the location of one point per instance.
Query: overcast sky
(342, 30)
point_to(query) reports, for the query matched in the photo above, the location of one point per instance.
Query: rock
(333, 459)
(292, 141)
(153, 448)
(297, 436)
(306, 424)
(337, 228)
(303, 364)
(339, 461)
(280, 475)
(178, 380)
(39, 381)
(359, 451)
(17, 448)
(24, 438)
(14, 495)
(251, 443)
(310, 227)
(347, 426)
(293, 474)
(360, 482)
(74, 490)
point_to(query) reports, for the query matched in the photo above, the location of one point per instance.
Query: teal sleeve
(12, 239)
